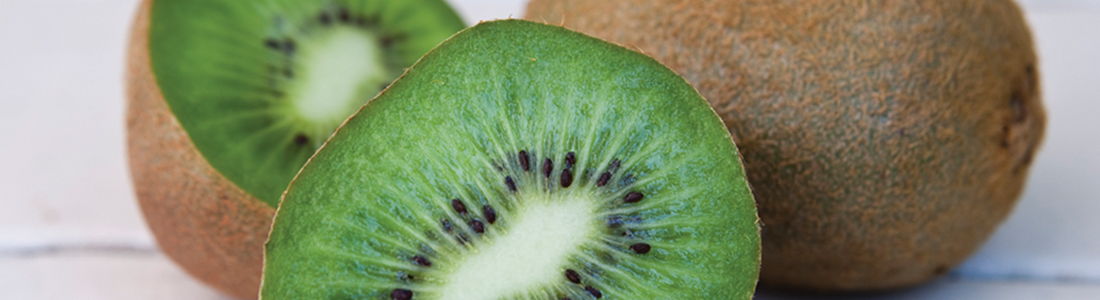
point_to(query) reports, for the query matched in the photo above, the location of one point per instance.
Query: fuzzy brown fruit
(201, 220)
(885, 140)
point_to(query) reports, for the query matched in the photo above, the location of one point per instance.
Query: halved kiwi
(228, 99)
(521, 161)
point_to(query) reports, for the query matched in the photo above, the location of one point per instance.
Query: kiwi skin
(204, 222)
(884, 140)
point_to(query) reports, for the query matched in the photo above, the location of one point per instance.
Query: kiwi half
(884, 140)
(228, 99)
(519, 160)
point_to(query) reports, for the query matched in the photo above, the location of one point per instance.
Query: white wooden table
(70, 227)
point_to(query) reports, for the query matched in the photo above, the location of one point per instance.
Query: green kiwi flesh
(259, 86)
(519, 160)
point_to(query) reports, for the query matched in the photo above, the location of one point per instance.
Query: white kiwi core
(339, 72)
(530, 255)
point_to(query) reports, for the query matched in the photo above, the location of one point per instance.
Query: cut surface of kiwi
(521, 161)
(227, 99)
(259, 85)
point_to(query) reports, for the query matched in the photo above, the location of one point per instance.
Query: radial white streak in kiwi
(679, 273)
(468, 198)
(413, 233)
(492, 201)
(530, 255)
(493, 138)
(537, 140)
(409, 168)
(564, 135)
(390, 242)
(338, 73)
(648, 152)
(500, 185)
(505, 120)
(652, 201)
(623, 277)
(630, 125)
(269, 157)
(374, 260)
(378, 285)
(590, 138)
(448, 142)
(421, 217)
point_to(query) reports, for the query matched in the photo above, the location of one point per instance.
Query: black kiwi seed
(511, 183)
(420, 260)
(593, 291)
(640, 248)
(490, 214)
(523, 161)
(572, 276)
(343, 15)
(547, 167)
(570, 159)
(301, 139)
(477, 226)
(566, 178)
(272, 43)
(458, 206)
(325, 19)
(289, 47)
(403, 294)
(633, 197)
(602, 181)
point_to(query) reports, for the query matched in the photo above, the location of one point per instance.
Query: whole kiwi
(884, 140)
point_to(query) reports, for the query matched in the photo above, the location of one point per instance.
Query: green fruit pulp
(378, 200)
(258, 86)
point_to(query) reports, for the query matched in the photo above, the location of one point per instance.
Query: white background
(70, 227)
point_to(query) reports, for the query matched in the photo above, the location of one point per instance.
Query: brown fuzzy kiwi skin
(884, 140)
(204, 222)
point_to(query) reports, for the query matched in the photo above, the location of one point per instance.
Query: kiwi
(884, 140)
(228, 99)
(519, 160)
